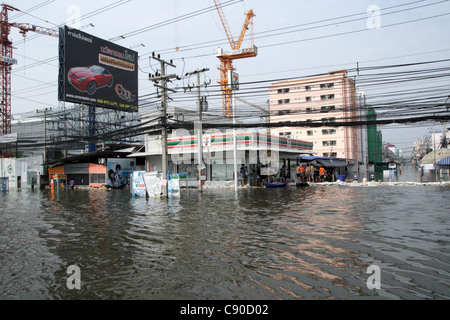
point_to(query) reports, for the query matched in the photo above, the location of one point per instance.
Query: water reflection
(292, 243)
(309, 226)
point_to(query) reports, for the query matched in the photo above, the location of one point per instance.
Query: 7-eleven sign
(234, 79)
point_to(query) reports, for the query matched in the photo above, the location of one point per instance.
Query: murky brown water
(292, 243)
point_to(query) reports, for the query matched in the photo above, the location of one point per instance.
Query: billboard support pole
(92, 128)
(163, 78)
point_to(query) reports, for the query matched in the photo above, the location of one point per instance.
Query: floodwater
(292, 243)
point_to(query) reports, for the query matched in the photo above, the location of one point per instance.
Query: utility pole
(444, 127)
(199, 129)
(45, 141)
(234, 85)
(45, 138)
(163, 78)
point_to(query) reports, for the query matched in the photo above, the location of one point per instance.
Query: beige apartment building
(325, 99)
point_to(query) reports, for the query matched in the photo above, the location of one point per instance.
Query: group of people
(304, 172)
(247, 176)
(307, 173)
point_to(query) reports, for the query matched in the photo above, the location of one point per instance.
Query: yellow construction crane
(226, 57)
(264, 110)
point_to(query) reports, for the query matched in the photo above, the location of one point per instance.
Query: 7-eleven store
(254, 150)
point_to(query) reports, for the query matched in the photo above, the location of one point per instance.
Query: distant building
(37, 141)
(437, 138)
(322, 99)
(23, 167)
(392, 153)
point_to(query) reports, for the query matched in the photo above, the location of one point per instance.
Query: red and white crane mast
(7, 60)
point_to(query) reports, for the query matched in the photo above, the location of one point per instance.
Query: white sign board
(8, 60)
(153, 184)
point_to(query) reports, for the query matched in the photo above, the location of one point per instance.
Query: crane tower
(7, 60)
(226, 57)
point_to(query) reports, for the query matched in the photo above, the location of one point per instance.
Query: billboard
(96, 72)
(119, 172)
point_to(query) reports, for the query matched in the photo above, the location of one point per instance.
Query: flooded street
(291, 243)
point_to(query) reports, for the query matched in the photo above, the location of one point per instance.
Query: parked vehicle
(88, 79)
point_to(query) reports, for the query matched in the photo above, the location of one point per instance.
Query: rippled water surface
(291, 243)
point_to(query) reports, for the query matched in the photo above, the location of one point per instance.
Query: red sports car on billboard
(89, 79)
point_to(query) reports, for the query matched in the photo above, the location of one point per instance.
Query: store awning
(444, 163)
(332, 163)
(326, 162)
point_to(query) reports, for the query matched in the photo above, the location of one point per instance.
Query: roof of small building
(437, 155)
(94, 156)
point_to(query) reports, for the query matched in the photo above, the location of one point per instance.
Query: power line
(308, 27)
(258, 89)
(172, 20)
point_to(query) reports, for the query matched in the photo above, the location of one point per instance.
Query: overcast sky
(295, 39)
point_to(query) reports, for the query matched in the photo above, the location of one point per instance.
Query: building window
(326, 109)
(285, 90)
(326, 143)
(284, 101)
(97, 178)
(308, 110)
(308, 88)
(328, 119)
(330, 154)
(327, 85)
(283, 112)
(308, 99)
(328, 131)
(327, 97)
(309, 132)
